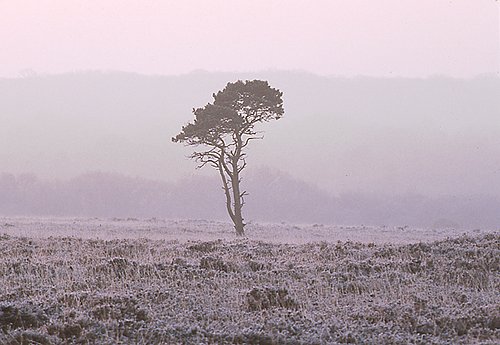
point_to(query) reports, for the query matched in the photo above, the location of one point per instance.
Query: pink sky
(414, 38)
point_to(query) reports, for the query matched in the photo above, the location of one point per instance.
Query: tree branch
(243, 166)
(251, 138)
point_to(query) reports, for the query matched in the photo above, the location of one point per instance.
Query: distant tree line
(277, 197)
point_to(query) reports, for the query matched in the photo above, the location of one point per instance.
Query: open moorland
(192, 282)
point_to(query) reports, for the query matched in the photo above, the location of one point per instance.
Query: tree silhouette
(225, 127)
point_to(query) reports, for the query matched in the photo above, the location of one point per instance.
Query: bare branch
(242, 195)
(251, 138)
(212, 162)
(243, 166)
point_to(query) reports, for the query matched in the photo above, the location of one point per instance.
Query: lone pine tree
(225, 127)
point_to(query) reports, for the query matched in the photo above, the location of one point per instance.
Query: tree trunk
(238, 218)
(237, 195)
(233, 209)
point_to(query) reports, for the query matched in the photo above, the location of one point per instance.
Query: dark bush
(12, 318)
(269, 297)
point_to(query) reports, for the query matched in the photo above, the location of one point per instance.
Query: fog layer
(436, 138)
(274, 197)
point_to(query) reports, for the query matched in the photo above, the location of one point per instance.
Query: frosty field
(159, 281)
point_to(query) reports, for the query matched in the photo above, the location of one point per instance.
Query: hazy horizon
(29, 74)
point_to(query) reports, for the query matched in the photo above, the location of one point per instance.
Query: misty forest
(347, 191)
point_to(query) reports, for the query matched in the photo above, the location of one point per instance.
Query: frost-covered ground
(207, 230)
(154, 281)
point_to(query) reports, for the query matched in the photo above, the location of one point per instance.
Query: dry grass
(68, 290)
